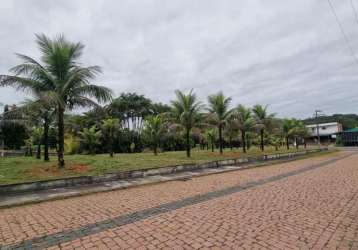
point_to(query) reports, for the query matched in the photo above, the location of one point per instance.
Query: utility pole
(317, 112)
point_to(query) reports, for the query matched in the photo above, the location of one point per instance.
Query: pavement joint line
(97, 227)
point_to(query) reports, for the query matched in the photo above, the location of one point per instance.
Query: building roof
(323, 124)
(351, 130)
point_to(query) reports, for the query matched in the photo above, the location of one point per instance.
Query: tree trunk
(221, 139)
(287, 143)
(61, 138)
(207, 146)
(276, 147)
(38, 152)
(296, 143)
(243, 138)
(155, 150)
(188, 142)
(212, 146)
(262, 139)
(111, 153)
(46, 129)
(230, 144)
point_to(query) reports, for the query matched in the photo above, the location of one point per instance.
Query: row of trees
(59, 83)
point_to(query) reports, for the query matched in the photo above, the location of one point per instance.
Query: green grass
(26, 169)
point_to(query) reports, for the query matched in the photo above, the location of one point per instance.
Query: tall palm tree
(245, 122)
(219, 108)
(109, 127)
(263, 121)
(154, 130)
(186, 111)
(61, 77)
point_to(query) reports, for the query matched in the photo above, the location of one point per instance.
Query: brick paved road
(310, 203)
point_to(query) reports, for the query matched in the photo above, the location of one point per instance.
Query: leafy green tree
(60, 76)
(263, 121)
(91, 137)
(110, 127)
(245, 122)
(132, 109)
(219, 108)
(186, 112)
(154, 130)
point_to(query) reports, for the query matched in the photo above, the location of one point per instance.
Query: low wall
(85, 180)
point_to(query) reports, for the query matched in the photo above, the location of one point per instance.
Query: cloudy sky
(290, 55)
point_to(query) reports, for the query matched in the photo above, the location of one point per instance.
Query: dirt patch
(54, 171)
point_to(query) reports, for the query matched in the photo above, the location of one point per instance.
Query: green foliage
(219, 113)
(72, 144)
(211, 136)
(110, 129)
(37, 135)
(90, 138)
(263, 120)
(186, 113)
(153, 131)
(244, 121)
(60, 78)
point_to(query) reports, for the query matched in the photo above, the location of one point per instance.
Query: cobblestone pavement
(306, 204)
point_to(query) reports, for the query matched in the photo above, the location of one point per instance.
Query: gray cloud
(288, 54)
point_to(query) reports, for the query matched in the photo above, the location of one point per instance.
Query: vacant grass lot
(25, 169)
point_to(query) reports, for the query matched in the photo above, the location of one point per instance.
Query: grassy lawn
(25, 169)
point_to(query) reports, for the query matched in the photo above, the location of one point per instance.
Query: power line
(342, 31)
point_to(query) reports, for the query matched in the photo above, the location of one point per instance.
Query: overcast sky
(290, 55)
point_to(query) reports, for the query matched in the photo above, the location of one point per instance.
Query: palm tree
(298, 130)
(211, 135)
(154, 130)
(60, 76)
(231, 131)
(287, 126)
(263, 121)
(39, 113)
(91, 138)
(245, 123)
(186, 111)
(219, 108)
(37, 135)
(109, 127)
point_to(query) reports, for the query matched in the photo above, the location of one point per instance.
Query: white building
(325, 129)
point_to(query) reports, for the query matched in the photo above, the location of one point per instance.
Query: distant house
(350, 137)
(327, 131)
